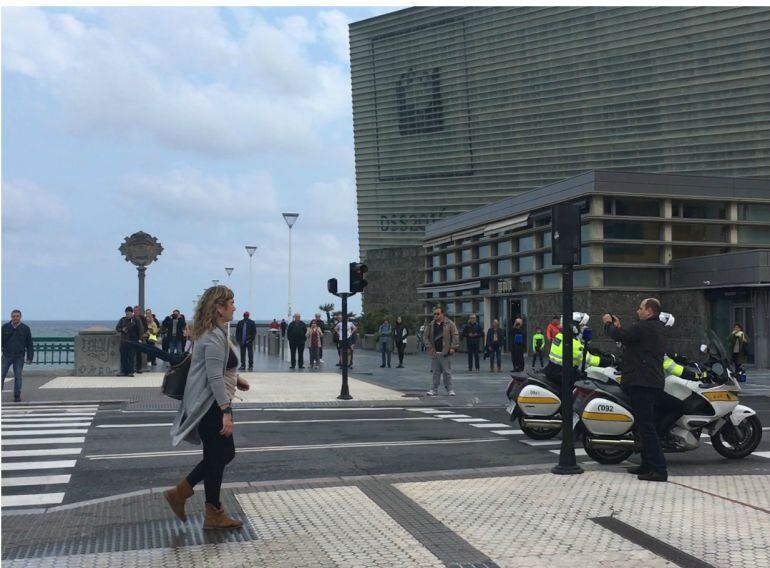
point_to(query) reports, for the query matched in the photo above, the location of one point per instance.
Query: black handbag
(175, 379)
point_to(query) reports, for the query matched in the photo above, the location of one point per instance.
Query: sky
(199, 126)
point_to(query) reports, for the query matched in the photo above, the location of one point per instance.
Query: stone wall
(394, 276)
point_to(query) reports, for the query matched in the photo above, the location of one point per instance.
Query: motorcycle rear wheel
(538, 432)
(605, 456)
(736, 442)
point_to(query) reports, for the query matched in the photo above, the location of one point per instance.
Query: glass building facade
(455, 108)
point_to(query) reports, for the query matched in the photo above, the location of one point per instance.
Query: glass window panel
(585, 255)
(526, 264)
(504, 248)
(585, 232)
(484, 269)
(547, 260)
(581, 279)
(526, 243)
(712, 233)
(638, 207)
(754, 211)
(484, 251)
(631, 230)
(466, 255)
(699, 209)
(436, 276)
(552, 281)
(466, 308)
(547, 238)
(754, 235)
(450, 258)
(524, 283)
(648, 277)
(632, 253)
(688, 252)
(504, 267)
(450, 275)
(467, 273)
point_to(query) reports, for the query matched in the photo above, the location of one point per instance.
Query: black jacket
(297, 331)
(644, 344)
(167, 323)
(251, 330)
(472, 333)
(130, 328)
(17, 341)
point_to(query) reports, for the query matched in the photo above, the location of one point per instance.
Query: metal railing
(54, 350)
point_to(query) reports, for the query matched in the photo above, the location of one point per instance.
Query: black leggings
(218, 451)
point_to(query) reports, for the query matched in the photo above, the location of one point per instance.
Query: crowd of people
(143, 334)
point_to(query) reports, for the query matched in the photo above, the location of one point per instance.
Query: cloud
(334, 29)
(29, 208)
(184, 79)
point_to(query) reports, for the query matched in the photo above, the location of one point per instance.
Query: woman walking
(205, 414)
(400, 333)
(386, 340)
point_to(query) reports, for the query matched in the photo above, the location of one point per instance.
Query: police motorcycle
(534, 398)
(690, 408)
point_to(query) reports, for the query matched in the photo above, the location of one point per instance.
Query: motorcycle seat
(545, 380)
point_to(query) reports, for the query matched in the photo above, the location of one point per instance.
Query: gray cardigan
(205, 385)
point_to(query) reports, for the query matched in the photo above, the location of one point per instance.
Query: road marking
(31, 441)
(539, 443)
(151, 424)
(490, 425)
(26, 414)
(507, 432)
(468, 420)
(451, 415)
(34, 453)
(42, 433)
(54, 407)
(35, 480)
(762, 454)
(27, 500)
(34, 419)
(578, 452)
(15, 427)
(48, 464)
(299, 448)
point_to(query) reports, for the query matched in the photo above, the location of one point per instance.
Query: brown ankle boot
(216, 518)
(177, 496)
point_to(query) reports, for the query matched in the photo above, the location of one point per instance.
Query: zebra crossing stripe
(14, 427)
(42, 432)
(47, 464)
(38, 453)
(34, 499)
(38, 419)
(40, 441)
(35, 480)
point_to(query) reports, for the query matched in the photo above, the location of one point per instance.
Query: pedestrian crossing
(40, 448)
(493, 427)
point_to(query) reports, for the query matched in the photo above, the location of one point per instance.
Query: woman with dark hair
(206, 414)
(739, 343)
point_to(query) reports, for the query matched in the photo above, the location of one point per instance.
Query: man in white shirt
(351, 330)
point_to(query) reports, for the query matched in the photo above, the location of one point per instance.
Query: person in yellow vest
(671, 367)
(555, 357)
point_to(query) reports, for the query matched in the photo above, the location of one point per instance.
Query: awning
(450, 287)
(506, 225)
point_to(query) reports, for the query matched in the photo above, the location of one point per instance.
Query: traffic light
(357, 281)
(331, 285)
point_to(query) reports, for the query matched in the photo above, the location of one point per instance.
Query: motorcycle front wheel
(736, 442)
(604, 455)
(538, 432)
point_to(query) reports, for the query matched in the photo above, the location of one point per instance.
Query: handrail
(54, 350)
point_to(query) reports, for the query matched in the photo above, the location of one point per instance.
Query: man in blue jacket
(17, 338)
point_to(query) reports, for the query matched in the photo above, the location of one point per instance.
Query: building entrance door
(744, 315)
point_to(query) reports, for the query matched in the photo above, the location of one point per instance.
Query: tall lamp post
(141, 249)
(215, 282)
(251, 250)
(229, 272)
(290, 219)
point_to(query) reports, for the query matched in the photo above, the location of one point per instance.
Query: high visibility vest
(555, 355)
(671, 367)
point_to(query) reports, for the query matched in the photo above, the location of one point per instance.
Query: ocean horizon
(70, 328)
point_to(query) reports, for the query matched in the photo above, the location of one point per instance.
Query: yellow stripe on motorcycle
(721, 395)
(606, 416)
(537, 400)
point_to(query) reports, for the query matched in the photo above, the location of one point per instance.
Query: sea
(70, 328)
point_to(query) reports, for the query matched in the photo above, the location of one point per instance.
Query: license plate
(510, 408)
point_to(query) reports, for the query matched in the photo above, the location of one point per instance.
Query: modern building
(701, 244)
(455, 108)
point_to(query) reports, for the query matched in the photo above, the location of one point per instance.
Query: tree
(328, 309)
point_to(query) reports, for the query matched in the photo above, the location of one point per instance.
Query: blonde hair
(206, 315)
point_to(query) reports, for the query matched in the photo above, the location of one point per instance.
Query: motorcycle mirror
(703, 348)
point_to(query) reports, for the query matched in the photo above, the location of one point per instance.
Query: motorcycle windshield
(717, 346)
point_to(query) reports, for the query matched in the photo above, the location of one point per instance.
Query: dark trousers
(247, 348)
(297, 349)
(17, 362)
(385, 353)
(517, 358)
(176, 345)
(535, 355)
(400, 347)
(218, 451)
(494, 352)
(315, 355)
(644, 401)
(473, 355)
(126, 358)
(138, 363)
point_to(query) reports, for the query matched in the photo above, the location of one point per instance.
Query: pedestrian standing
(739, 343)
(351, 340)
(320, 324)
(174, 326)
(473, 334)
(538, 342)
(493, 345)
(400, 333)
(643, 381)
(518, 345)
(139, 363)
(314, 338)
(274, 324)
(151, 327)
(130, 329)
(284, 326)
(17, 340)
(245, 332)
(206, 415)
(441, 341)
(553, 329)
(386, 340)
(296, 332)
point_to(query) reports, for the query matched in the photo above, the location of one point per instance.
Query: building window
(711, 233)
(581, 279)
(585, 255)
(467, 273)
(466, 308)
(484, 269)
(524, 284)
(632, 253)
(450, 275)
(450, 258)
(688, 252)
(547, 238)
(465, 255)
(632, 206)
(754, 211)
(547, 260)
(699, 209)
(484, 252)
(504, 267)
(754, 235)
(631, 230)
(526, 243)
(504, 248)
(436, 276)
(629, 277)
(526, 264)
(552, 281)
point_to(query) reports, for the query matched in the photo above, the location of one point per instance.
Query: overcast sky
(199, 126)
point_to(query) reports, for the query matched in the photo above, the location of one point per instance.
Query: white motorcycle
(709, 407)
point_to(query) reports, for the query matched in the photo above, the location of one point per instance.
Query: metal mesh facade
(455, 108)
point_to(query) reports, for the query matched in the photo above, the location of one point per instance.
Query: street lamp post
(290, 219)
(251, 250)
(229, 272)
(215, 282)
